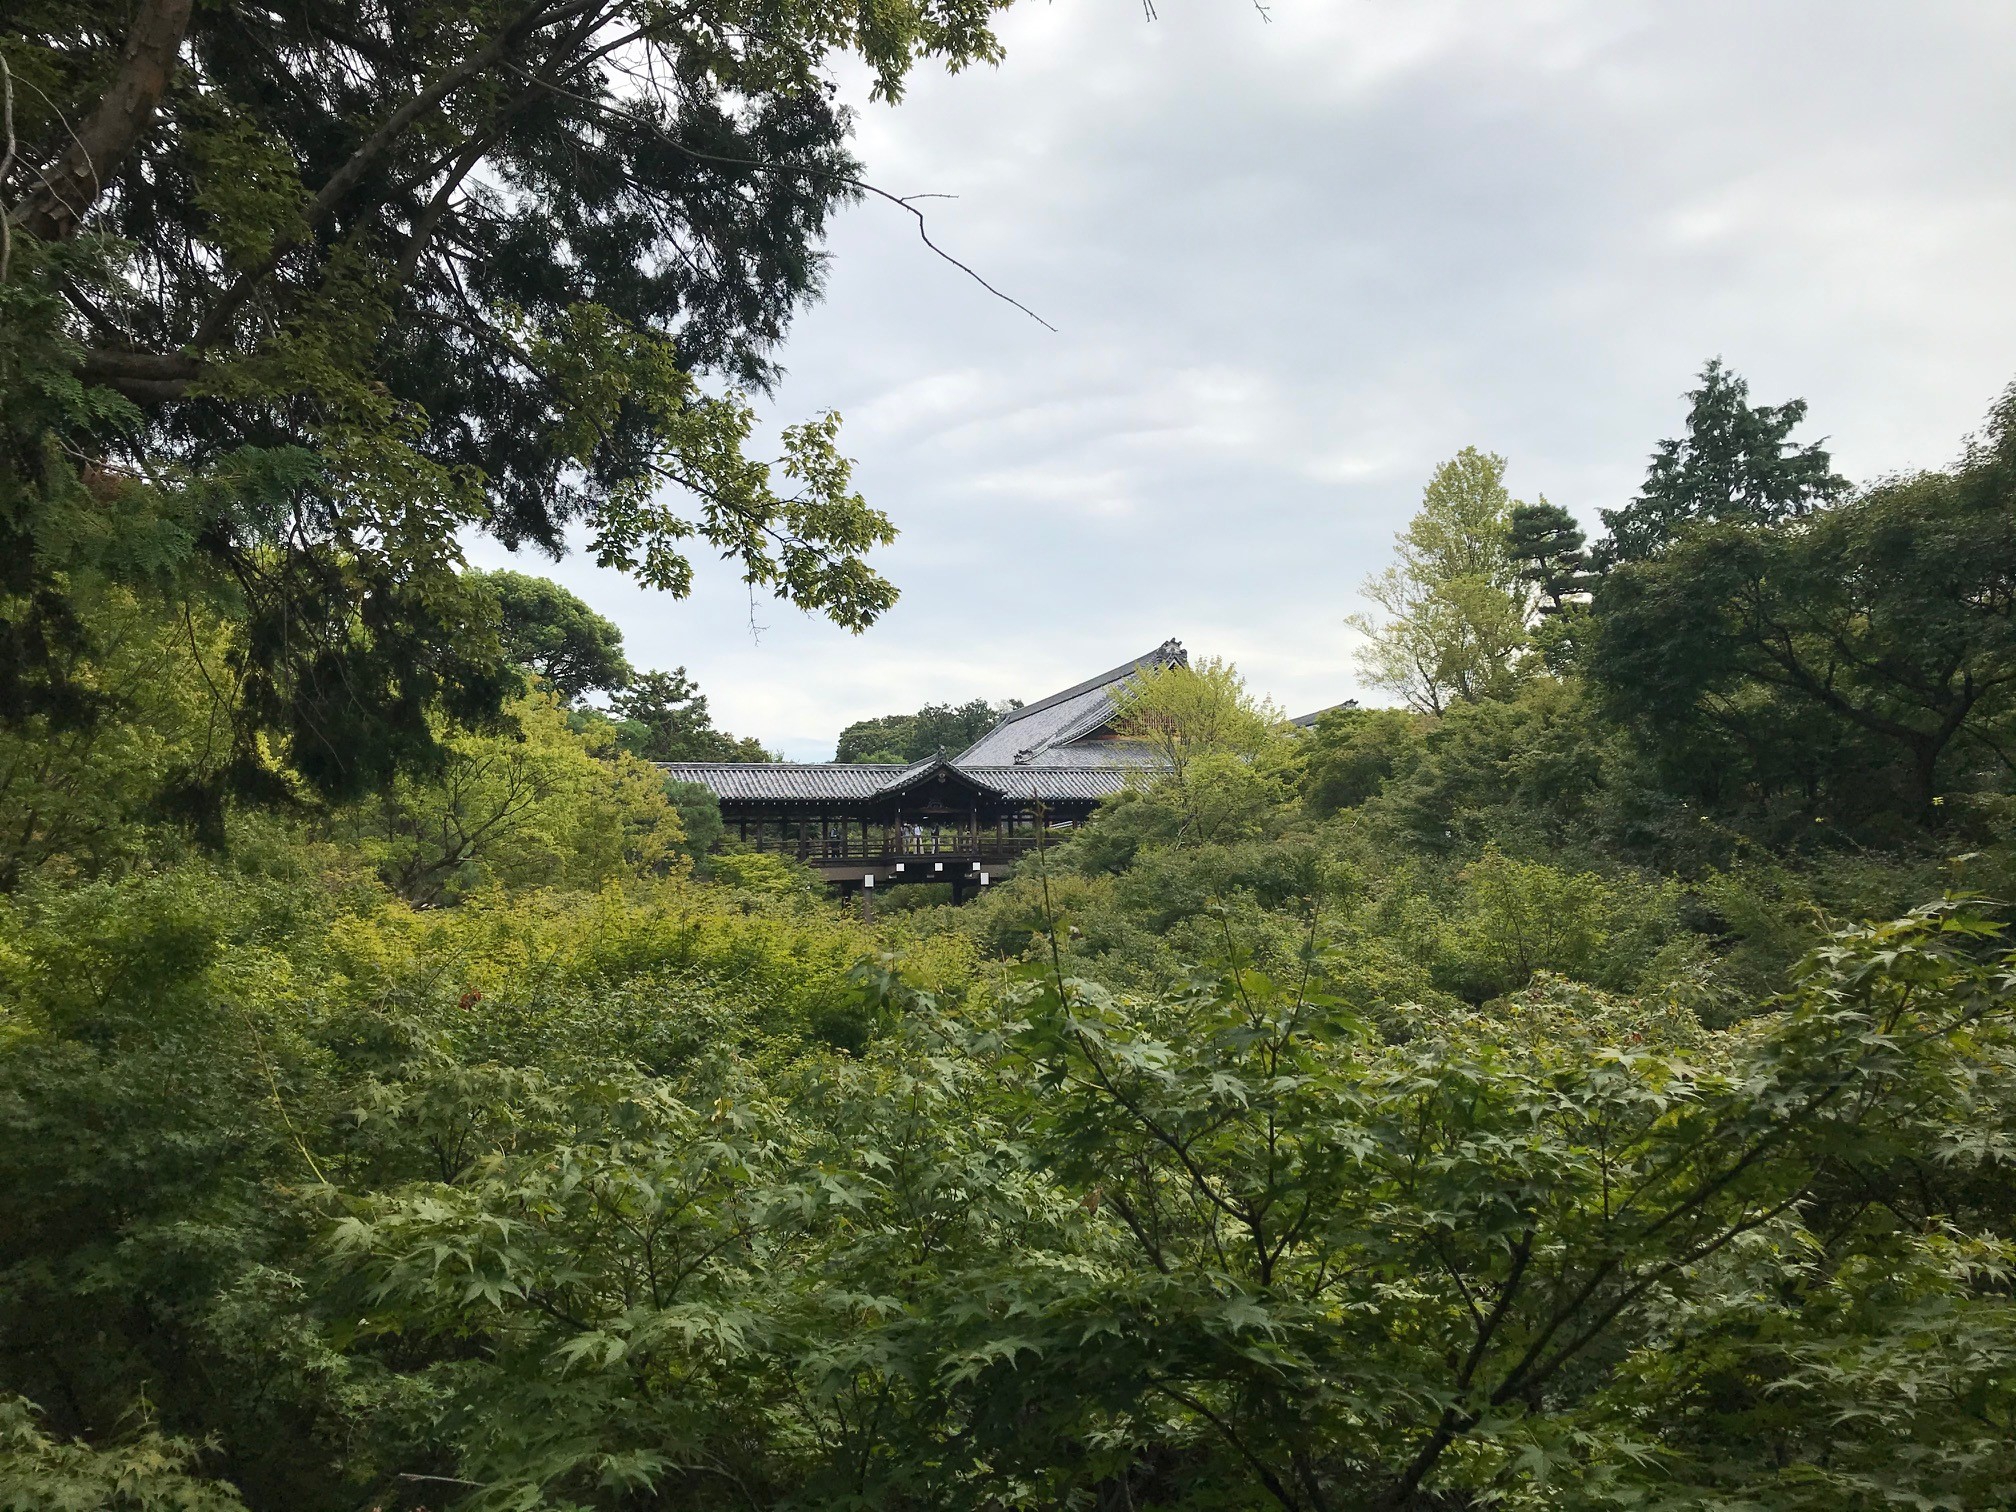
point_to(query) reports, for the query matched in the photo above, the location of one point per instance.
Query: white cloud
(1295, 265)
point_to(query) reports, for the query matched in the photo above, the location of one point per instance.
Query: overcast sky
(1293, 265)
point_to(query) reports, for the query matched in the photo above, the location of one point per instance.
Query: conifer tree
(293, 296)
(1548, 546)
(1736, 463)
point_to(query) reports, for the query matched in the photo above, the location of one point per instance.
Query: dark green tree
(547, 630)
(664, 718)
(1352, 753)
(876, 740)
(293, 295)
(1863, 657)
(953, 727)
(949, 728)
(1736, 463)
(699, 815)
(1548, 546)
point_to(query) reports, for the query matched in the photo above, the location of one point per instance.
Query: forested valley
(1587, 1082)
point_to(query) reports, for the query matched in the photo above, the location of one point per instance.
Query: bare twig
(1148, 12)
(123, 114)
(906, 202)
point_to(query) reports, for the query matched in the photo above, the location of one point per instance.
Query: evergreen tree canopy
(1736, 463)
(1858, 652)
(295, 294)
(664, 718)
(549, 631)
(1547, 544)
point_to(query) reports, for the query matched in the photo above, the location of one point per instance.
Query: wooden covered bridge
(962, 819)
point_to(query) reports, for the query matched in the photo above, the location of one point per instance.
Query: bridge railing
(880, 847)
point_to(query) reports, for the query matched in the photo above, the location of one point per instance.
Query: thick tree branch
(484, 141)
(143, 377)
(157, 378)
(429, 218)
(56, 209)
(6, 163)
(374, 147)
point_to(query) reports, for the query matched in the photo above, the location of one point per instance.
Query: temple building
(960, 819)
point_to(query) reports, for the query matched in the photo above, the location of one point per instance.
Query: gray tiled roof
(1308, 721)
(1039, 752)
(1094, 753)
(1034, 734)
(806, 782)
(1052, 784)
(791, 780)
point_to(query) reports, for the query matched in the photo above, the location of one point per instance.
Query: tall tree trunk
(57, 208)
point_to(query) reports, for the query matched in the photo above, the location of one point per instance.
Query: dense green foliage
(1755, 645)
(1270, 1161)
(932, 730)
(549, 632)
(1862, 659)
(1592, 1087)
(1513, 1101)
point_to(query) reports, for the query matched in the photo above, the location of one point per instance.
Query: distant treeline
(932, 730)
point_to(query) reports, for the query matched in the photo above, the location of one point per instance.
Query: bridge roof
(794, 781)
(863, 783)
(1042, 752)
(1052, 784)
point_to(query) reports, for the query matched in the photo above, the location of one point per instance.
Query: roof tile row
(806, 782)
(1038, 754)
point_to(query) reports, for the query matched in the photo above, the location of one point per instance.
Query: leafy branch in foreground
(148, 1473)
(1235, 1247)
(1376, 1274)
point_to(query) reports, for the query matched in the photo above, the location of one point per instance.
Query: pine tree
(1547, 544)
(1735, 463)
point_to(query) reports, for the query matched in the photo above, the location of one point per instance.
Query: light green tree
(1456, 606)
(1185, 712)
(80, 797)
(539, 806)
(1222, 755)
(148, 1472)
